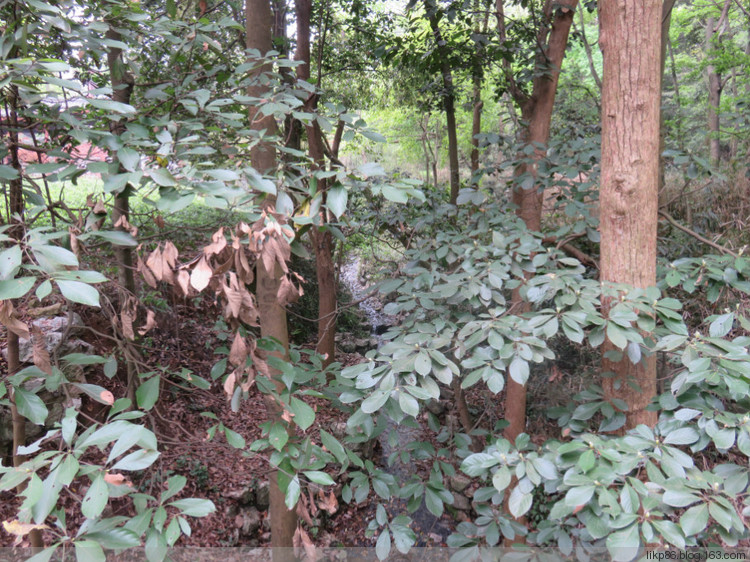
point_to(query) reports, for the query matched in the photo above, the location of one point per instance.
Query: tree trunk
(122, 89)
(714, 98)
(477, 77)
(272, 315)
(449, 101)
(320, 236)
(536, 112)
(630, 43)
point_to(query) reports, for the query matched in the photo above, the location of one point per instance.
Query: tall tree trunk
(536, 113)
(449, 99)
(666, 20)
(477, 78)
(714, 97)
(630, 43)
(122, 89)
(321, 237)
(272, 315)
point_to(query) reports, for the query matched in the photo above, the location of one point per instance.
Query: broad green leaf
(162, 177)
(148, 393)
(694, 520)
(16, 288)
(721, 326)
(278, 436)
(79, 292)
(579, 495)
(10, 261)
(336, 200)
(118, 537)
(137, 460)
(96, 498)
(319, 477)
(30, 406)
(623, 545)
(129, 158)
(519, 502)
(679, 498)
(292, 493)
(383, 545)
(194, 507)
(304, 415)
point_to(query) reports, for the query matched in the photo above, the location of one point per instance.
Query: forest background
(548, 203)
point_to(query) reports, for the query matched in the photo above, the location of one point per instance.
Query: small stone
(435, 407)
(244, 495)
(461, 502)
(248, 521)
(459, 482)
(348, 346)
(262, 500)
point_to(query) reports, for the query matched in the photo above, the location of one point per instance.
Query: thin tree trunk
(449, 101)
(536, 112)
(630, 43)
(321, 237)
(666, 19)
(272, 316)
(587, 48)
(714, 98)
(477, 80)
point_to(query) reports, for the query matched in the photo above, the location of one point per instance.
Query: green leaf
(408, 404)
(579, 495)
(319, 477)
(501, 479)
(89, 551)
(375, 401)
(721, 326)
(623, 545)
(16, 288)
(616, 335)
(129, 158)
(383, 545)
(423, 363)
(30, 406)
(394, 194)
(304, 415)
(278, 436)
(234, 439)
(10, 261)
(292, 493)
(148, 393)
(79, 292)
(670, 532)
(694, 520)
(519, 502)
(682, 436)
(45, 555)
(194, 507)
(137, 460)
(116, 237)
(96, 498)
(433, 502)
(175, 484)
(162, 177)
(118, 537)
(679, 498)
(114, 106)
(336, 200)
(519, 370)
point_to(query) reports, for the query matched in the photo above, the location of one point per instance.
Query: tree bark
(536, 113)
(449, 100)
(630, 43)
(122, 89)
(714, 98)
(320, 236)
(477, 78)
(272, 315)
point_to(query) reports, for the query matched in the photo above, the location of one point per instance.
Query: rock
(60, 324)
(243, 496)
(459, 482)
(348, 346)
(262, 500)
(435, 407)
(461, 502)
(248, 521)
(362, 345)
(338, 430)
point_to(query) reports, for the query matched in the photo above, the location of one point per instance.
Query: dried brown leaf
(302, 511)
(238, 353)
(117, 479)
(99, 208)
(287, 292)
(20, 530)
(107, 397)
(328, 502)
(229, 384)
(148, 277)
(39, 349)
(126, 318)
(183, 280)
(10, 321)
(156, 264)
(159, 222)
(218, 243)
(201, 275)
(150, 322)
